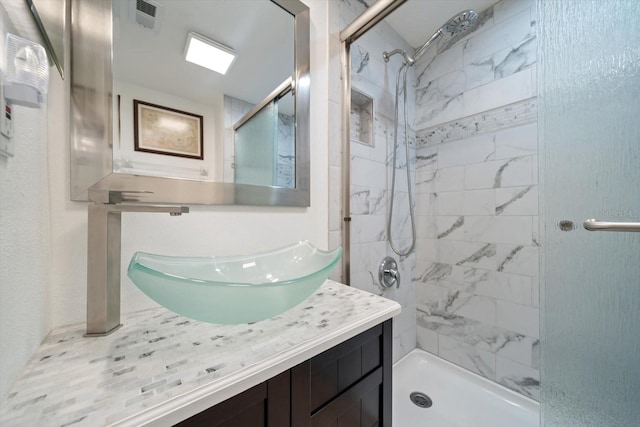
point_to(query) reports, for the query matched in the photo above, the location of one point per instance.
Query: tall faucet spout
(103, 262)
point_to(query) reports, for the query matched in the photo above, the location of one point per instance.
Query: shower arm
(434, 39)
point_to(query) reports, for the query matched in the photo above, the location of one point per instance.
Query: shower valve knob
(388, 274)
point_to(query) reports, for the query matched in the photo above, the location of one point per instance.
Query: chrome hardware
(103, 262)
(595, 225)
(388, 274)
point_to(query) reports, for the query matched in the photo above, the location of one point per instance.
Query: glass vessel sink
(238, 289)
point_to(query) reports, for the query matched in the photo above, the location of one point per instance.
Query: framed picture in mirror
(164, 130)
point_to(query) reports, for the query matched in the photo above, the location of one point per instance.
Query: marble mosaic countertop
(161, 368)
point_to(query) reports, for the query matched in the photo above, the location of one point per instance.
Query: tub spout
(103, 262)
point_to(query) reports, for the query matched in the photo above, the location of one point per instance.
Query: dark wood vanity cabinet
(348, 385)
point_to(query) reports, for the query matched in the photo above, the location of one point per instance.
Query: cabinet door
(359, 406)
(346, 386)
(267, 404)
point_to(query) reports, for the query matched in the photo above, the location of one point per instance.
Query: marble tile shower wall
(476, 275)
(371, 173)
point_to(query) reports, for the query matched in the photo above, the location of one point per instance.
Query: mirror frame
(51, 25)
(91, 135)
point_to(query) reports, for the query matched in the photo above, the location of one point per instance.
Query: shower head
(461, 22)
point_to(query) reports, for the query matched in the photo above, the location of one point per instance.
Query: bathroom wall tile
(450, 227)
(503, 286)
(439, 274)
(358, 149)
(478, 202)
(472, 150)
(501, 342)
(535, 231)
(467, 356)
(507, 8)
(442, 323)
(517, 142)
(517, 201)
(500, 64)
(428, 297)
(403, 344)
(426, 159)
(405, 324)
(499, 229)
(470, 306)
(426, 182)
(440, 65)
(368, 173)
(496, 120)
(518, 259)
(447, 86)
(426, 227)
(436, 112)
(450, 179)
(451, 203)
(507, 90)
(360, 257)
(508, 33)
(523, 379)
(427, 340)
(518, 318)
(534, 79)
(359, 200)
(427, 250)
(470, 254)
(378, 201)
(535, 291)
(512, 172)
(368, 228)
(427, 204)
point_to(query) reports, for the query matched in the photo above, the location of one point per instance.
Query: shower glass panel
(255, 163)
(590, 138)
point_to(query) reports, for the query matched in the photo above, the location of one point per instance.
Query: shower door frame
(363, 23)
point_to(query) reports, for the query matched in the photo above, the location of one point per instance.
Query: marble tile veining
(158, 357)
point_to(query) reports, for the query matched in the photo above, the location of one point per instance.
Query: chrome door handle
(595, 225)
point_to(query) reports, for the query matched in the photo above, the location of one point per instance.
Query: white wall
(49, 288)
(25, 243)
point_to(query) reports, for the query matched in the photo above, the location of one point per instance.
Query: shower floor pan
(459, 398)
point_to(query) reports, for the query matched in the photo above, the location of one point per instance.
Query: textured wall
(24, 236)
(476, 274)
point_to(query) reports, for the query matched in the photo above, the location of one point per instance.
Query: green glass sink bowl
(237, 289)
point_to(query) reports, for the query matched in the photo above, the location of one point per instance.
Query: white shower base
(460, 397)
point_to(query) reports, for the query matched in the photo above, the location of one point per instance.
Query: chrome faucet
(103, 262)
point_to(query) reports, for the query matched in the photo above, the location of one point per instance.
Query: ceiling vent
(147, 13)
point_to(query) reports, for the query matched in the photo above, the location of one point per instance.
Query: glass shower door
(255, 148)
(589, 94)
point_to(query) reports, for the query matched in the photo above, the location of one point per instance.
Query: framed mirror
(148, 125)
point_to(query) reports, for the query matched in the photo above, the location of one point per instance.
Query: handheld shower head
(461, 22)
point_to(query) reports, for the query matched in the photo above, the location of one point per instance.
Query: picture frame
(163, 130)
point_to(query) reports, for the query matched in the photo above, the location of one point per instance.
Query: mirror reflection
(176, 118)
